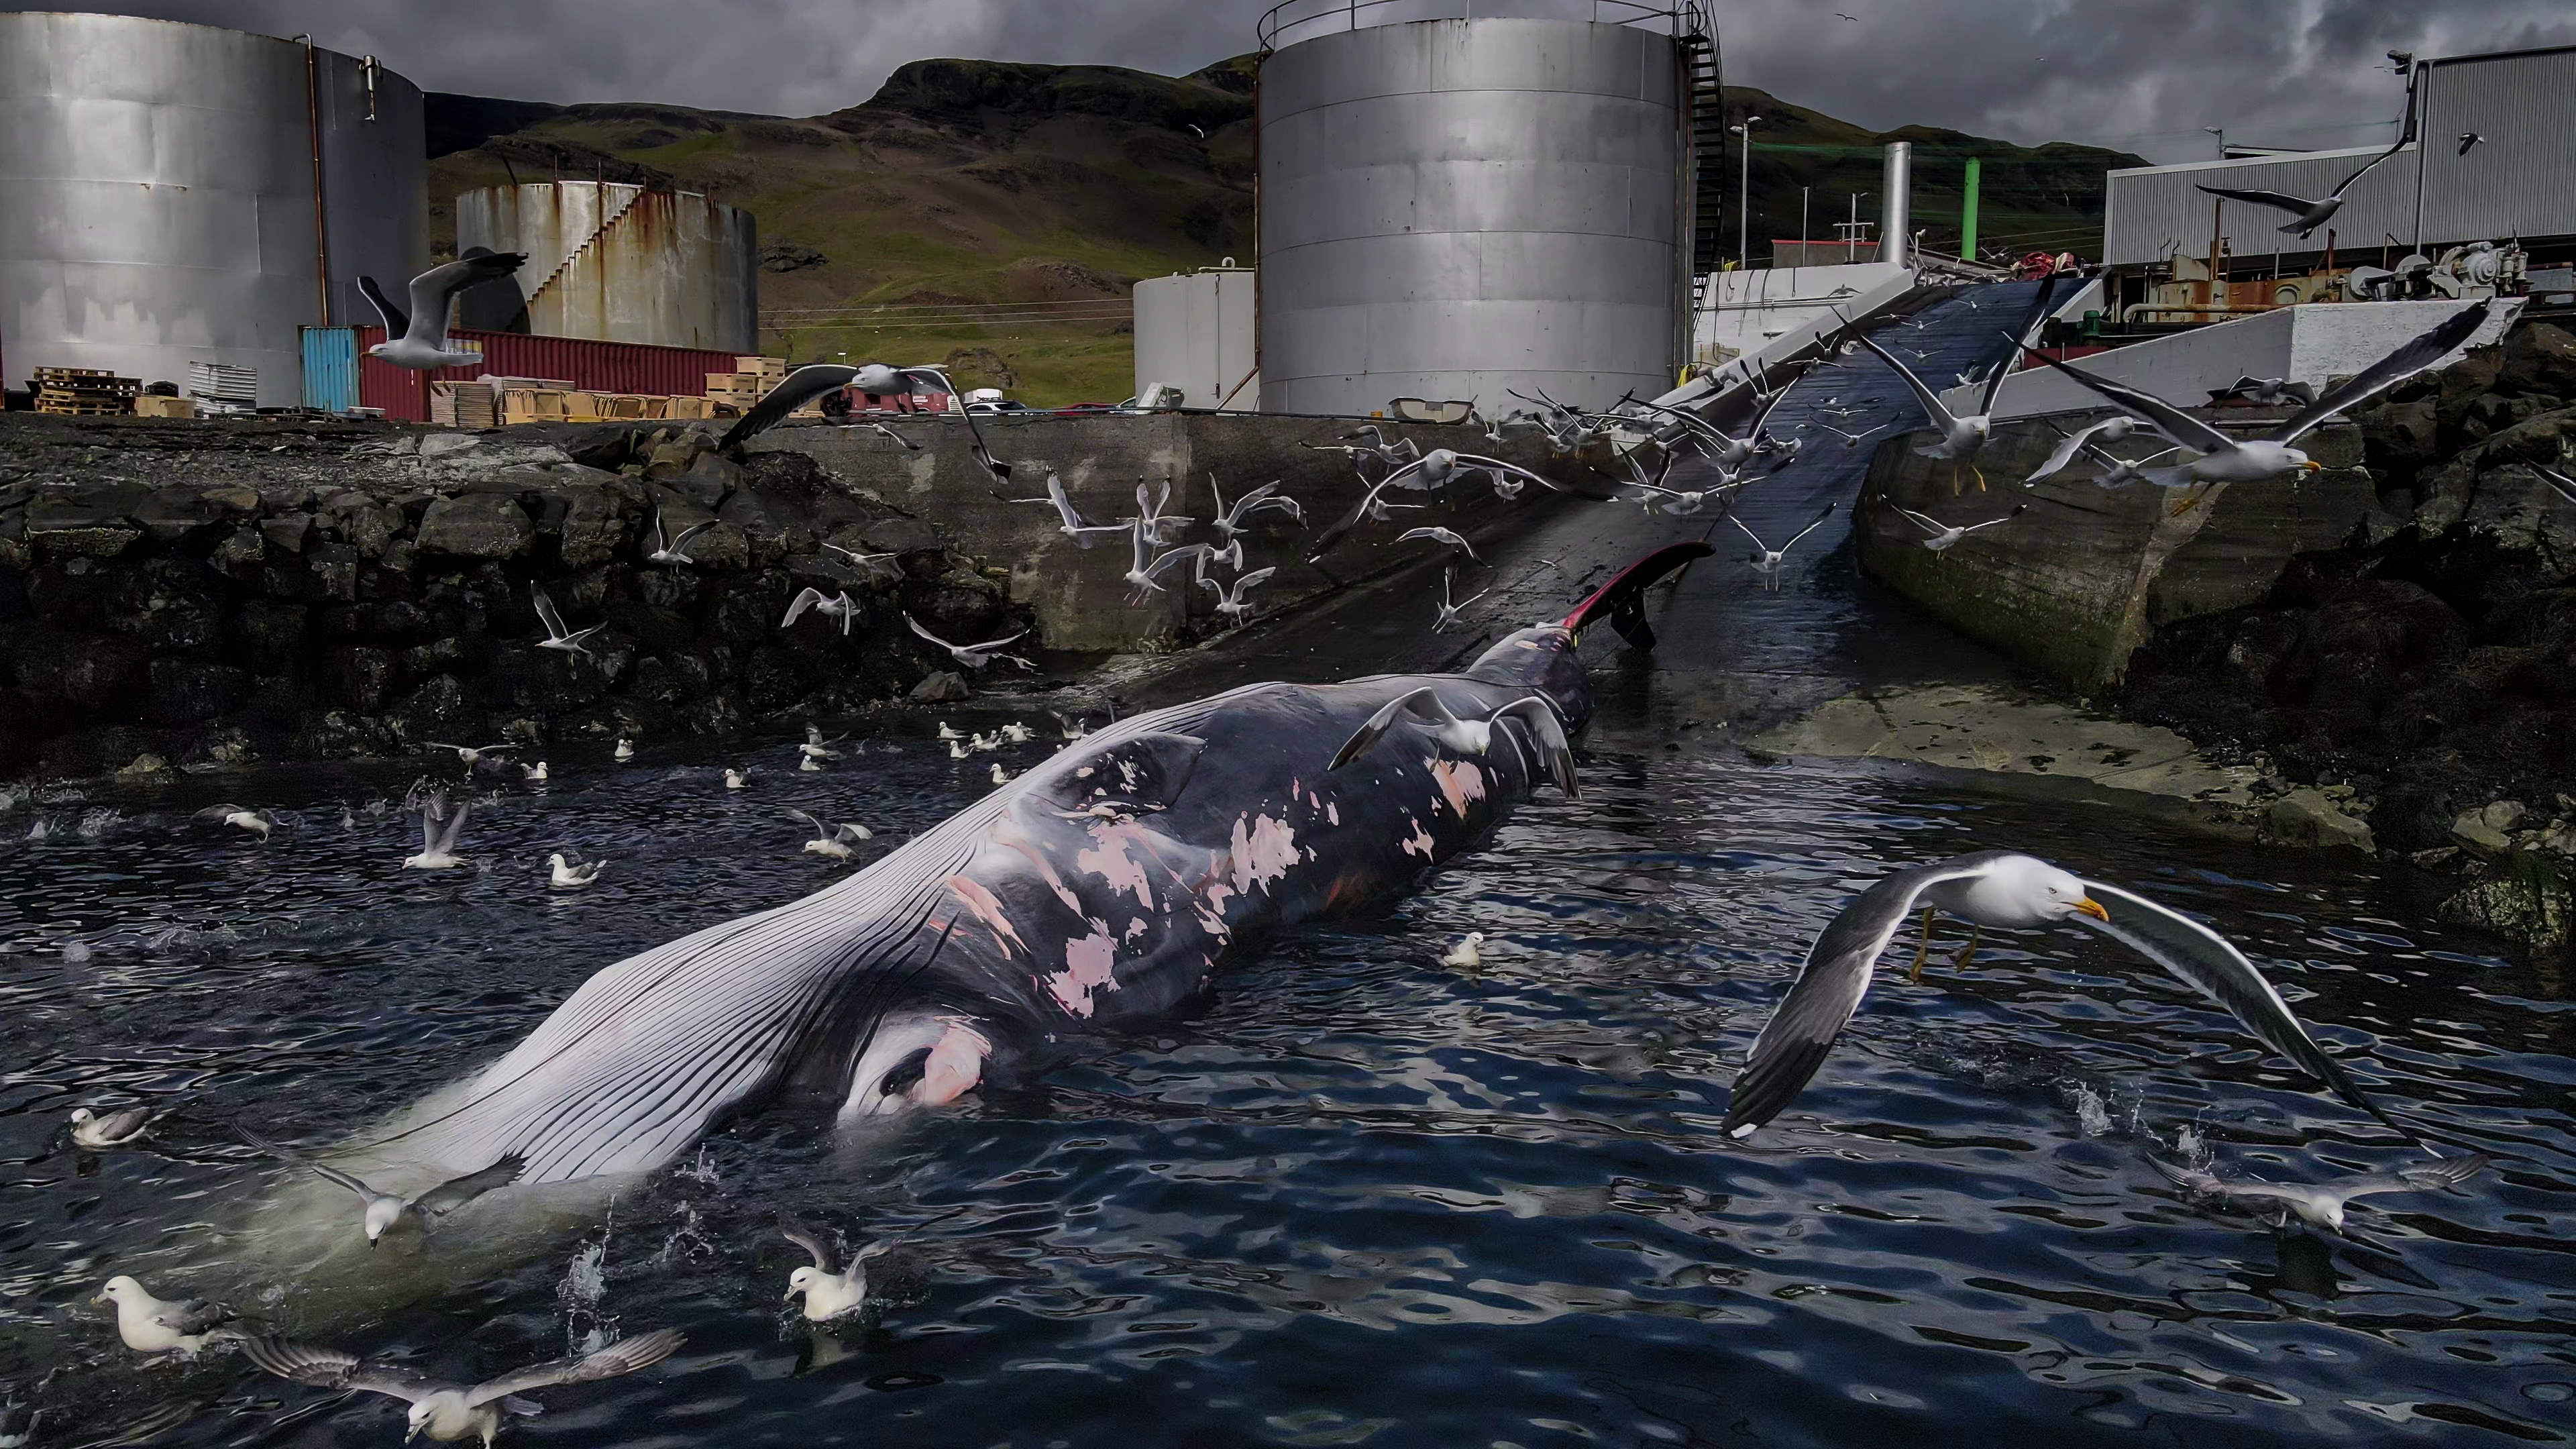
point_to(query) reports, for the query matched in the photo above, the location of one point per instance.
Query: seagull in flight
(974, 656)
(1082, 531)
(1265, 499)
(1963, 436)
(1946, 536)
(447, 1411)
(2305, 215)
(2321, 1203)
(472, 755)
(384, 1209)
(437, 844)
(2006, 889)
(881, 563)
(1148, 567)
(1448, 614)
(419, 341)
(1230, 601)
(1153, 520)
(2225, 460)
(839, 606)
(833, 843)
(674, 552)
(1448, 538)
(1423, 707)
(1854, 440)
(1766, 559)
(559, 638)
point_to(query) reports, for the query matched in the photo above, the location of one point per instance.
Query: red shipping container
(589, 366)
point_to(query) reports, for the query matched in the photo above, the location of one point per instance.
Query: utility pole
(1802, 232)
(1744, 194)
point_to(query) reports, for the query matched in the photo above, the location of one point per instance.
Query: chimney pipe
(1896, 205)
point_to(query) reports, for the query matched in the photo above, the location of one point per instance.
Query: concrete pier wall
(2073, 586)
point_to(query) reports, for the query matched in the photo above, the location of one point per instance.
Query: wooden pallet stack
(749, 382)
(463, 405)
(84, 392)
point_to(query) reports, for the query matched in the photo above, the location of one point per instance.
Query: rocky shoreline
(2422, 677)
(181, 594)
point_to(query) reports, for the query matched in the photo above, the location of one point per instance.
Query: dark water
(1357, 1196)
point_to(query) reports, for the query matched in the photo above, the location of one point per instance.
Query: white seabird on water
(2226, 460)
(437, 841)
(533, 774)
(809, 765)
(1448, 614)
(974, 656)
(1018, 733)
(2008, 890)
(1229, 600)
(818, 748)
(830, 1291)
(1466, 952)
(1447, 538)
(625, 750)
(472, 755)
(242, 817)
(2321, 1203)
(419, 341)
(2305, 215)
(833, 843)
(1946, 536)
(570, 874)
(840, 606)
(154, 1325)
(384, 1209)
(99, 1131)
(736, 779)
(1000, 775)
(674, 552)
(1423, 707)
(1765, 559)
(448, 1411)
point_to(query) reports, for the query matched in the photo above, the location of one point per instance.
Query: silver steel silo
(618, 263)
(174, 193)
(1453, 208)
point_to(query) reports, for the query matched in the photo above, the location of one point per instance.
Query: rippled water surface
(1357, 1196)
(1360, 1196)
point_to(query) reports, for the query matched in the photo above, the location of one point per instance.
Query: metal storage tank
(1451, 208)
(1196, 333)
(174, 193)
(613, 262)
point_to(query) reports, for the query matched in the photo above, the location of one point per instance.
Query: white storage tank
(1196, 332)
(1454, 208)
(615, 262)
(174, 194)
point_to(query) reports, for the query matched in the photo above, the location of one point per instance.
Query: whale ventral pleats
(1142, 772)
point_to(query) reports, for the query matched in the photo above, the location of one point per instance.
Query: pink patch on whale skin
(988, 909)
(1421, 844)
(1135, 928)
(1263, 854)
(1460, 781)
(1333, 811)
(1008, 833)
(1117, 866)
(1089, 964)
(956, 1063)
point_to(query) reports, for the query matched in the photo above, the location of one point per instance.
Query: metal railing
(1291, 21)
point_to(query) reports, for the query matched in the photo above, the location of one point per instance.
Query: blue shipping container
(331, 368)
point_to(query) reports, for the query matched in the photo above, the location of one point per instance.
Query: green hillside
(966, 183)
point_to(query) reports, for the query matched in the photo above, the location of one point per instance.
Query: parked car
(986, 409)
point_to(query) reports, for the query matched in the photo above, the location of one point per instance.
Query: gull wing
(2297, 205)
(1423, 702)
(331, 1368)
(2155, 412)
(2210, 1184)
(689, 535)
(1933, 524)
(1828, 990)
(799, 388)
(397, 322)
(933, 638)
(1063, 505)
(2441, 1172)
(821, 1249)
(2067, 447)
(2409, 359)
(2030, 323)
(432, 290)
(1497, 465)
(797, 606)
(1153, 570)
(2366, 165)
(622, 1357)
(2203, 959)
(454, 827)
(1250, 580)
(2565, 485)
(1539, 717)
(819, 832)
(121, 1124)
(546, 613)
(1749, 533)
(1827, 512)
(193, 1315)
(1932, 408)
(326, 1173)
(456, 1192)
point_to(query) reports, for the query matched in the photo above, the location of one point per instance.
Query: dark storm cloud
(2140, 75)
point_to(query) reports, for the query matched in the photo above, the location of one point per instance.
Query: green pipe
(1968, 215)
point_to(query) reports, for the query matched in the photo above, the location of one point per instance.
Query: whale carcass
(1100, 889)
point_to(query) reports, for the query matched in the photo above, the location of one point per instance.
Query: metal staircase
(1707, 158)
(588, 243)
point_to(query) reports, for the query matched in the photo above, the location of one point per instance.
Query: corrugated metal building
(616, 263)
(591, 366)
(2514, 181)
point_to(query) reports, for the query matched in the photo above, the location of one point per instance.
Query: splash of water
(702, 1170)
(686, 1241)
(584, 1288)
(42, 829)
(2091, 1113)
(98, 822)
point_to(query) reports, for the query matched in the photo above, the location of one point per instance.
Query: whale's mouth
(1621, 600)
(917, 1059)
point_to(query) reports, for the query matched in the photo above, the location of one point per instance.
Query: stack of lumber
(84, 392)
(463, 405)
(524, 404)
(749, 382)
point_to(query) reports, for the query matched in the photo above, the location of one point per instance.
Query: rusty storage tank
(174, 193)
(617, 263)
(1456, 208)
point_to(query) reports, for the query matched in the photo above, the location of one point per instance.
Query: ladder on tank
(1707, 158)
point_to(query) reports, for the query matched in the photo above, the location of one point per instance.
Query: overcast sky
(2139, 75)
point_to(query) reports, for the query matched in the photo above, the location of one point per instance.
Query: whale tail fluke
(1622, 600)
